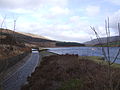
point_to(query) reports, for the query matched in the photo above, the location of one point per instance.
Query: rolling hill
(31, 40)
(114, 40)
(13, 37)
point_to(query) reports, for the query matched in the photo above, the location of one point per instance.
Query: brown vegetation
(29, 40)
(10, 55)
(6, 51)
(69, 72)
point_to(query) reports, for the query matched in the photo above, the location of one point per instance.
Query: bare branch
(3, 21)
(118, 53)
(100, 41)
(116, 57)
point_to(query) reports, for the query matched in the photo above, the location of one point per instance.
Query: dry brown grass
(6, 51)
(68, 72)
(11, 55)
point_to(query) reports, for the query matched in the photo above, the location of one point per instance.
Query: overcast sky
(64, 20)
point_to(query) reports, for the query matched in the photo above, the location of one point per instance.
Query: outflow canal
(19, 78)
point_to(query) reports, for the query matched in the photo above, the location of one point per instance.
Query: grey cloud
(116, 2)
(114, 20)
(56, 36)
(30, 3)
(19, 3)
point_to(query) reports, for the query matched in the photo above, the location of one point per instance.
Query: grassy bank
(96, 59)
(45, 52)
(71, 72)
(99, 60)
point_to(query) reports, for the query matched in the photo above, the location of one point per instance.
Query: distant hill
(34, 35)
(27, 37)
(68, 44)
(31, 40)
(8, 36)
(112, 39)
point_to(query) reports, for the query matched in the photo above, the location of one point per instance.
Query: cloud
(20, 11)
(13, 4)
(75, 19)
(68, 35)
(67, 20)
(116, 2)
(57, 13)
(58, 31)
(92, 10)
(58, 10)
(115, 19)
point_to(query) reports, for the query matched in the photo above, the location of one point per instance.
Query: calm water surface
(87, 51)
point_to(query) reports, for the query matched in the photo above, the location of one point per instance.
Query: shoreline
(59, 70)
(97, 59)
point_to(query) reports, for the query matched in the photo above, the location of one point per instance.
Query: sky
(63, 20)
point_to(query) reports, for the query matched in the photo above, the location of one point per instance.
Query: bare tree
(3, 21)
(14, 29)
(106, 52)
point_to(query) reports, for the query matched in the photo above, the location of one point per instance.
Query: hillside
(26, 39)
(68, 44)
(12, 50)
(25, 36)
(34, 35)
(113, 40)
(32, 40)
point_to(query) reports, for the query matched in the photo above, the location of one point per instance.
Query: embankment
(9, 62)
(10, 55)
(70, 72)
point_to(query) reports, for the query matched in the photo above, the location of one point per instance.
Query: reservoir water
(88, 51)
